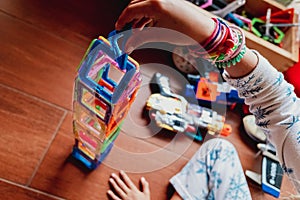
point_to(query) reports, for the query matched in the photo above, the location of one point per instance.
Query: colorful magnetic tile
(105, 87)
(89, 121)
(89, 163)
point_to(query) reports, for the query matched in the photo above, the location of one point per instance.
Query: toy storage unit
(280, 57)
(105, 87)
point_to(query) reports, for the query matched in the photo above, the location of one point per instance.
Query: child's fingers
(127, 180)
(145, 186)
(112, 195)
(140, 24)
(121, 183)
(135, 11)
(120, 188)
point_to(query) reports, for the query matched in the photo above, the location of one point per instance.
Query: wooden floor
(41, 44)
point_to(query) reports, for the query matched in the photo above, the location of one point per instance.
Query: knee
(220, 145)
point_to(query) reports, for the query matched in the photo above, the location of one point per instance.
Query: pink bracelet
(201, 49)
(223, 37)
(214, 34)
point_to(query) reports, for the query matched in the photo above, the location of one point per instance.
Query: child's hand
(126, 190)
(176, 21)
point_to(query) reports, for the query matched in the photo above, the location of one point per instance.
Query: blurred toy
(106, 85)
(282, 16)
(172, 111)
(272, 34)
(210, 88)
(202, 3)
(207, 88)
(252, 130)
(230, 7)
(271, 177)
(184, 61)
(223, 9)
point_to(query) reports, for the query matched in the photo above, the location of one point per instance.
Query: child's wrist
(224, 47)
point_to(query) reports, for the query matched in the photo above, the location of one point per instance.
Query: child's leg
(214, 172)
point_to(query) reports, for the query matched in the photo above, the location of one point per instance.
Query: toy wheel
(183, 61)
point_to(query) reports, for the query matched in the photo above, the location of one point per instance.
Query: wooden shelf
(280, 57)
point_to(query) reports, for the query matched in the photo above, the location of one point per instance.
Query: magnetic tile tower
(106, 85)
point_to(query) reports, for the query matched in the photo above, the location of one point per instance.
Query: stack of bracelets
(224, 48)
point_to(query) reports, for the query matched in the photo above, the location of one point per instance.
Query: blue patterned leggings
(214, 172)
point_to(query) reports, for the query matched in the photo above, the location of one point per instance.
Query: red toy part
(292, 76)
(246, 110)
(284, 16)
(226, 131)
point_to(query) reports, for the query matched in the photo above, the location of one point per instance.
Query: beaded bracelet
(238, 53)
(240, 37)
(233, 60)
